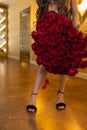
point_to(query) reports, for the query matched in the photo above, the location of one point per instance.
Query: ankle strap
(60, 92)
(34, 93)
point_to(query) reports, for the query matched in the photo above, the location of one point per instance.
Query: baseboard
(13, 57)
(82, 75)
(33, 62)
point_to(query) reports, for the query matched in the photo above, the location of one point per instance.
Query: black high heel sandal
(60, 104)
(32, 107)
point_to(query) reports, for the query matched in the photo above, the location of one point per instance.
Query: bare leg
(63, 80)
(39, 79)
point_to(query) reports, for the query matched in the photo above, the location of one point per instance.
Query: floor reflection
(15, 90)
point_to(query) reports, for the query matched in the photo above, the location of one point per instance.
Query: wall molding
(82, 75)
(33, 62)
(13, 57)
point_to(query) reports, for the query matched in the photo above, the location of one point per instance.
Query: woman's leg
(39, 79)
(63, 81)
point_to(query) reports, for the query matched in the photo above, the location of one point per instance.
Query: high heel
(31, 108)
(60, 104)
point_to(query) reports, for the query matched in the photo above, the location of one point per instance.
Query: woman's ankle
(60, 95)
(33, 98)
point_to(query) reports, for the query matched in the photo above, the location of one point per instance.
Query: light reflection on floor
(15, 88)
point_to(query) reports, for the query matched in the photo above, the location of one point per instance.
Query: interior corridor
(16, 84)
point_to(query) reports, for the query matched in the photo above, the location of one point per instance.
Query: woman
(56, 45)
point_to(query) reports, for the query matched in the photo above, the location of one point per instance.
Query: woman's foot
(32, 105)
(60, 103)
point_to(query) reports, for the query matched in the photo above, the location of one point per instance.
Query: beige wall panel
(14, 26)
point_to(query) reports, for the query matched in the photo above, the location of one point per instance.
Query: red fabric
(59, 46)
(45, 84)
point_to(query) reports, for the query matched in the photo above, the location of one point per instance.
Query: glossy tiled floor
(16, 82)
